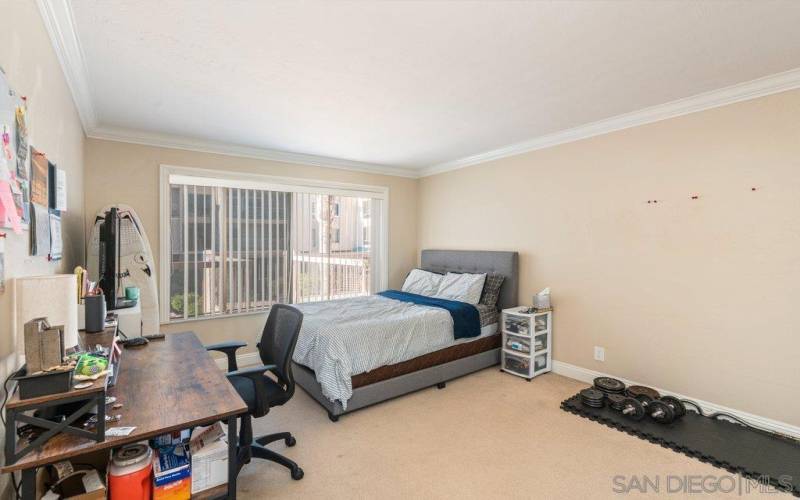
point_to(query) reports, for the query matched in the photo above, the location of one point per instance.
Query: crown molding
(59, 22)
(60, 25)
(760, 87)
(189, 144)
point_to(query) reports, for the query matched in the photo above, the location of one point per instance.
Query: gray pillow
(491, 289)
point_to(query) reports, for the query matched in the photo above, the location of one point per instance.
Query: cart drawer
(517, 364)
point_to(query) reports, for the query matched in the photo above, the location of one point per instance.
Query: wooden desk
(168, 385)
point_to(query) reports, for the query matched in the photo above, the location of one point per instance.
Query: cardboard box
(209, 450)
(176, 490)
(172, 438)
(172, 473)
(93, 488)
(87, 486)
(44, 345)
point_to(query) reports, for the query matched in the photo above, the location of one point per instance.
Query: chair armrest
(256, 374)
(253, 372)
(229, 348)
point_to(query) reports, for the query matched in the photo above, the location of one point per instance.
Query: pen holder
(95, 313)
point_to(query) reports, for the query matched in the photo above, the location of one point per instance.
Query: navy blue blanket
(466, 320)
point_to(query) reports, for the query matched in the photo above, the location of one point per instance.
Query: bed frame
(439, 261)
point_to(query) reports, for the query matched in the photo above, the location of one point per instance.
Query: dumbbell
(634, 408)
(675, 404)
(664, 410)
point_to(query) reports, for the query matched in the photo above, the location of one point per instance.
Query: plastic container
(518, 325)
(130, 475)
(540, 362)
(517, 364)
(518, 343)
(95, 313)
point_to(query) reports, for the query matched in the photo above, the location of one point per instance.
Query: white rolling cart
(527, 342)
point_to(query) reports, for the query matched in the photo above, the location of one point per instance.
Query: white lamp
(54, 297)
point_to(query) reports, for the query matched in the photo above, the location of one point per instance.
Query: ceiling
(408, 87)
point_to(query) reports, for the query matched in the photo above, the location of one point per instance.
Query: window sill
(177, 321)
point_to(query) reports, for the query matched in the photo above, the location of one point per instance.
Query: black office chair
(262, 392)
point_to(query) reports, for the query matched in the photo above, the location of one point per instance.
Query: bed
(433, 367)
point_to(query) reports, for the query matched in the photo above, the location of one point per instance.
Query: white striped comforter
(342, 338)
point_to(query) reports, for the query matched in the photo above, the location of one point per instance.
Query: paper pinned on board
(61, 190)
(39, 178)
(8, 209)
(56, 246)
(40, 231)
(22, 141)
(2, 265)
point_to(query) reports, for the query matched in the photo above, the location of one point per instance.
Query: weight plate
(660, 412)
(632, 409)
(676, 405)
(609, 385)
(615, 401)
(592, 394)
(644, 399)
(636, 390)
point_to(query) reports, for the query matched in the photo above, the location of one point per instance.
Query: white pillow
(463, 287)
(422, 282)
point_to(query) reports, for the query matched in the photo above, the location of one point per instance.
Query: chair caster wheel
(297, 474)
(290, 441)
(334, 418)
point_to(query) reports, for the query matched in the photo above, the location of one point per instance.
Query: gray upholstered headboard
(478, 261)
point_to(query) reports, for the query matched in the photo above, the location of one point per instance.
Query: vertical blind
(230, 250)
(236, 250)
(331, 246)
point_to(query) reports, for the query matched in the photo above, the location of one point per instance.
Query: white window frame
(243, 180)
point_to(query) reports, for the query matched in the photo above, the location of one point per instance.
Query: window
(238, 243)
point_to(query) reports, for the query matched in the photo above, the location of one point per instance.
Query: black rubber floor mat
(751, 453)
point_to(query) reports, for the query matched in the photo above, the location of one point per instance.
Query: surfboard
(136, 263)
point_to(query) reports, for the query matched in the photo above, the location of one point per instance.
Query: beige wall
(117, 172)
(694, 296)
(33, 70)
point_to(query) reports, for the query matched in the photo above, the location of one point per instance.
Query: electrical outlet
(599, 353)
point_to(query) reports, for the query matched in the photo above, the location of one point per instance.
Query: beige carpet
(487, 435)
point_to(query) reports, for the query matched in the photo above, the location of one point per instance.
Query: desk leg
(233, 452)
(29, 484)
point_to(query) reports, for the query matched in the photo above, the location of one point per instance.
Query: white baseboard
(588, 376)
(242, 360)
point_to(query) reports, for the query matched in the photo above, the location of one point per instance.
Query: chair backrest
(278, 340)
